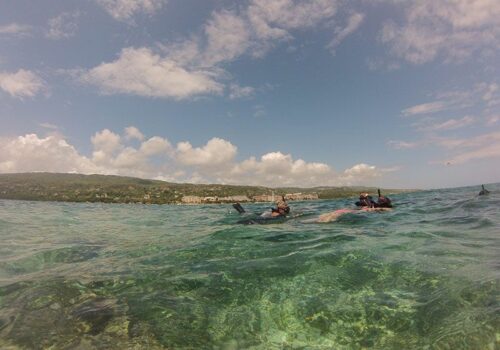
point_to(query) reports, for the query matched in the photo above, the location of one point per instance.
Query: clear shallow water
(91, 276)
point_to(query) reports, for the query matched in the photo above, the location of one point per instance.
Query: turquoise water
(100, 276)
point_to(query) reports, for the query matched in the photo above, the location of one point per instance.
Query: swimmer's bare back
(334, 215)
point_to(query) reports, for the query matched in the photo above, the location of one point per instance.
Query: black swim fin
(238, 208)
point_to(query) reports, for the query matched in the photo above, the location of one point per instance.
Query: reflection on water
(92, 276)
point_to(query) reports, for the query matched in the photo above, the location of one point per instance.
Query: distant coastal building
(289, 197)
(242, 199)
(191, 199)
(301, 196)
(263, 198)
(234, 199)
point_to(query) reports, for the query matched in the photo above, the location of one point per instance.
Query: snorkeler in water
(282, 208)
(383, 202)
(365, 200)
(483, 191)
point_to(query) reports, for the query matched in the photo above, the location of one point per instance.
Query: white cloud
(227, 37)
(63, 26)
(279, 169)
(426, 108)
(484, 94)
(32, 153)
(353, 23)
(131, 132)
(15, 29)
(156, 158)
(144, 73)
(155, 146)
(236, 91)
(193, 66)
(484, 146)
(483, 97)
(451, 124)
(360, 171)
(23, 83)
(49, 126)
(123, 10)
(402, 144)
(492, 120)
(490, 93)
(105, 144)
(217, 151)
(452, 29)
(259, 111)
(272, 19)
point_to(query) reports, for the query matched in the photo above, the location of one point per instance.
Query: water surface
(112, 276)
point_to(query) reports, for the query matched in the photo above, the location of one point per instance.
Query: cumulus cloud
(451, 29)
(63, 26)
(33, 153)
(144, 73)
(106, 141)
(124, 10)
(132, 132)
(15, 29)
(156, 158)
(279, 169)
(216, 152)
(363, 171)
(156, 145)
(23, 83)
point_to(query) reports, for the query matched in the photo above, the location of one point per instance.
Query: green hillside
(120, 189)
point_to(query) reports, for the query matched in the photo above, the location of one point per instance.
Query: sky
(390, 93)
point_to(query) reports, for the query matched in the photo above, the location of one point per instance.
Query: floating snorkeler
(282, 208)
(484, 191)
(366, 203)
(276, 215)
(365, 200)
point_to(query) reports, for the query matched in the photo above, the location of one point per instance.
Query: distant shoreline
(77, 188)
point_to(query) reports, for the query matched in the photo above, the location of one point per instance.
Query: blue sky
(278, 92)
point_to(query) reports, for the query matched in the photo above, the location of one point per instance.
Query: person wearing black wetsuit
(365, 200)
(483, 191)
(383, 202)
(282, 208)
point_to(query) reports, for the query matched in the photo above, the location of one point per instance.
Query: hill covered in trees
(120, 189)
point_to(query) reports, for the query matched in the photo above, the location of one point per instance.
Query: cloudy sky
(272, 92)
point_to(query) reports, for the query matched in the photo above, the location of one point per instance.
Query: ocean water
(98, 276)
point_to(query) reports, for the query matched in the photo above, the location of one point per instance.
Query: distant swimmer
(483, 191)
